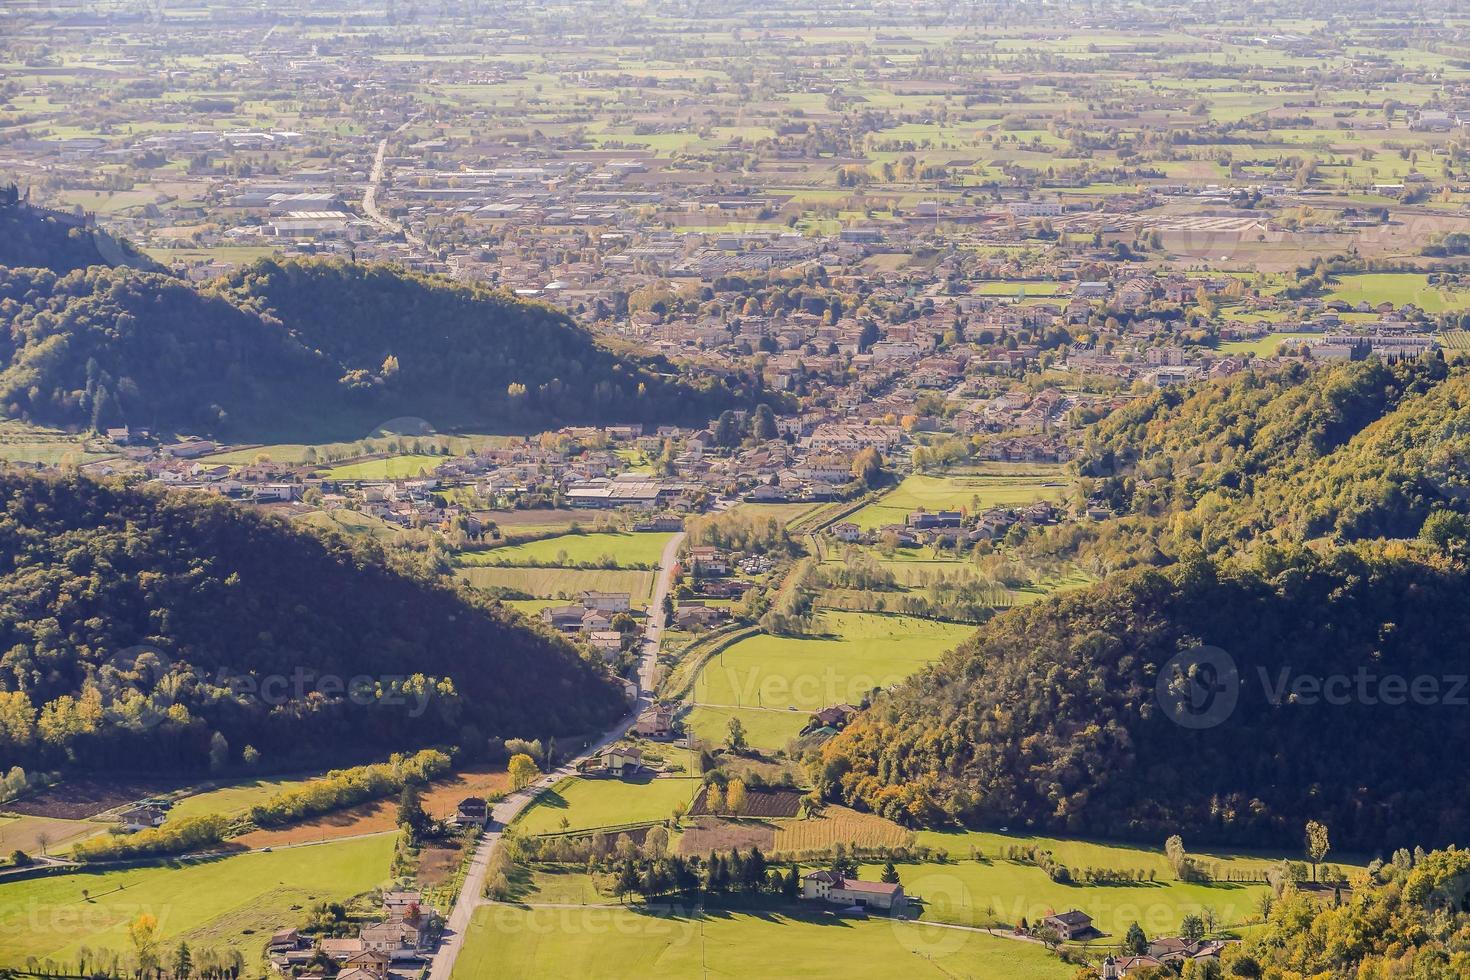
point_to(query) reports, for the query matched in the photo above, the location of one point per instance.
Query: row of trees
(347, 787)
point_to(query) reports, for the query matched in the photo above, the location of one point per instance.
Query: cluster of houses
(405, 939)
(1171, 954)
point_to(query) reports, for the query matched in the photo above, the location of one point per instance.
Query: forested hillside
(315, 350)
(1048, 717)
(101, 347)
(32, 237)
(1358, 450)
(308, 649)
(457, 354)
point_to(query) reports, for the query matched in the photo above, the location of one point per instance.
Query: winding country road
(471, 893)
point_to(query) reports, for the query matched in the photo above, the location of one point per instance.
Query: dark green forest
(1048, 717)
(318, 350)
(32, 237)
(223, 598)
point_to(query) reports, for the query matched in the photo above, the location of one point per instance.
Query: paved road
(370, 198)
(471, 893)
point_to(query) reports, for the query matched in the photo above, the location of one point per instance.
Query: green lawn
(615, 943)
(403, 467)
(858, 651)
(590, 803)
(230, 902)
(962, 492)
(627, 549)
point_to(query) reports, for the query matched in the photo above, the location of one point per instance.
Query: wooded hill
(57, 241)
(1355, 451)
(1048, 717)
(318, 350)
(223, 598)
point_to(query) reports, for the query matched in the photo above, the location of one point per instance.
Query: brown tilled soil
(718, 834)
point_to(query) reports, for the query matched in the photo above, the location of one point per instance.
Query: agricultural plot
(765, 728)
(618, 943)
(232, 902)
(1398, 288)
(621, 548)
(968, 492)
(402, 467)
(853, 653)
(589, 803)
(1264, 346)
(970, 892)
(561, 583)
(46, 835)
(839, 825)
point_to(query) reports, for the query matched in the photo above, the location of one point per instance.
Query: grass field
(968, 892)
(859, 651)
(404, 467)
(562, 583)
(1263, 346)
(962, 492)
(627, 549)
(591, 803)
(1397, 288)
(765, 729)
(615, 943)
(230, 902)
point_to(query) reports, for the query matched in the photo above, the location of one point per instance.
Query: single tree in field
(1135, 943)
(714, 799)
(890, 874)
(1175, 853)
(736, 741)
(1192, 928)
(1317, 845)
(523, 771)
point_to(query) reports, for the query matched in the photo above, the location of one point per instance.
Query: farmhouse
(606, 642)
(829, 886)
(471, 812)
(708, 561)
(142, 818)
(1069, 925)
(690, 614)
(614, 602)
(622, 761)
(656, 722)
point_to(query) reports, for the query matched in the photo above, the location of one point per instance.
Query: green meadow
(233, 902)
(626, 549)
(849, 655)
(615, 943)
(588, 803)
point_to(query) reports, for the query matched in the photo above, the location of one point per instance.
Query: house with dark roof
(1069, 925)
